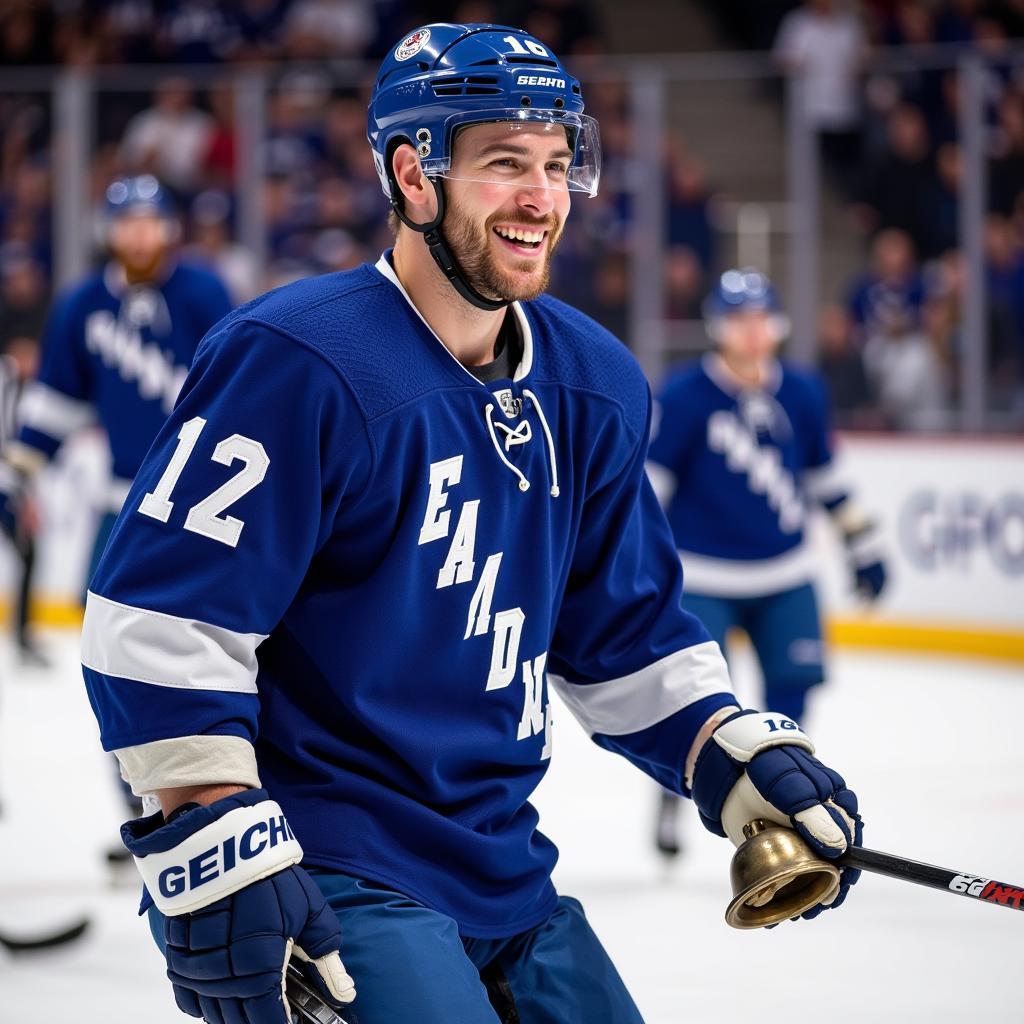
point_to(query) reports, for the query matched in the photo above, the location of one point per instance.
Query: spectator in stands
(329, 28)
(195, 32)
(567, 26)
(906, 372)
(611, 288)
(211, 246)
(170, 139)
(896, 189)
(944, 221)
(128, 29)
(1005, 281)
(26, 34)
(688, 220)
(1006, 169)
(824, 41)
(218, 161)
(258, 28)
(684, 284)
(957, 19)
(892, 291)
(842, 367)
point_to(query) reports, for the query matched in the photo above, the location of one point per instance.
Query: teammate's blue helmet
(130, 195)
(444, 77)
(743, 291)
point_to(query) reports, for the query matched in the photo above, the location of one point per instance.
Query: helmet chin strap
(443, 256)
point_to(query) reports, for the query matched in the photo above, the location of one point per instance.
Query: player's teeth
(519, 235)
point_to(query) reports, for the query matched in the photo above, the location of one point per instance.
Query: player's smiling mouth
(521, 238)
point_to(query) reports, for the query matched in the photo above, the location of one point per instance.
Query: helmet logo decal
(411, 46)
(555, 83)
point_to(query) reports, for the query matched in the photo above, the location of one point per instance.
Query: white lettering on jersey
(478, 621)
(120, 345)
(533, 699)
(508, 632)
(435, 522)
(763, 467)
(459, 565)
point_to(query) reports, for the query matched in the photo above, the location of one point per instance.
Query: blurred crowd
(890, 140)
(889, 345)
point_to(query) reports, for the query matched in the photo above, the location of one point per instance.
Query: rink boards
(951, 510)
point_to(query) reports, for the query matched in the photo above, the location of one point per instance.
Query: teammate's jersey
(346, 549)
(738, 470)
(118, 355)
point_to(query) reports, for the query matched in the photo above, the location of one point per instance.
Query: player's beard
(471, 247)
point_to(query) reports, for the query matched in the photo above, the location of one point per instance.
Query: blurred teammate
(389, 503)
(116, 349)
(741, 453)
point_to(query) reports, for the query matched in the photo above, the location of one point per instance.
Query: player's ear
(420, 200)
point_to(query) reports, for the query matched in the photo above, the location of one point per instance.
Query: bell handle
(959, 883)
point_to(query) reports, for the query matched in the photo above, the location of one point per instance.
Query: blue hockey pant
(785, 631)
(411, 966)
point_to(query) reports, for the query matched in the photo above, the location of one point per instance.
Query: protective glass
(578, 169)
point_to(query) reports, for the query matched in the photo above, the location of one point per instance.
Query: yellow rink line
(928, 638)
(918, 637)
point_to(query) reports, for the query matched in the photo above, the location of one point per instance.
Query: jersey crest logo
(511, 406)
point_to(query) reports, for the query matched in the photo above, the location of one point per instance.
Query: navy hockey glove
(237, 907)
(758, 764)
(869, 579)
(864, 552)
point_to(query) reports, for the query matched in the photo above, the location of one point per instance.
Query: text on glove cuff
(746, 735)
(239, 848)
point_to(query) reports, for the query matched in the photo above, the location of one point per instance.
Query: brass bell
(776, 876)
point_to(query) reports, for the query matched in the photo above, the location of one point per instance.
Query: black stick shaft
(986, 890)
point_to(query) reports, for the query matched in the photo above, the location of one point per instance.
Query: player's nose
(535, 197)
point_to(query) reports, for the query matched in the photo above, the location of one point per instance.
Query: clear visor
(523, 148)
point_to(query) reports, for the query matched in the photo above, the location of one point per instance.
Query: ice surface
(931, 746)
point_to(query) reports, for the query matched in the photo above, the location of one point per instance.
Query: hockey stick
(987, 890)
(26, 945)
(307, 1006)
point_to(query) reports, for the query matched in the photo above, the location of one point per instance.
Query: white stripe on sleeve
(165, 650)
(53, 413)
(663, 481)
(637, 701)
(825, 483)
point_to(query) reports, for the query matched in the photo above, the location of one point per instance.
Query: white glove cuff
(240, 847)
(747, 735)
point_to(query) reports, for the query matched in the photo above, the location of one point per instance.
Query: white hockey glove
(759, 765)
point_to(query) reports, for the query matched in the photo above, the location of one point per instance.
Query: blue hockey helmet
(743, 291)
(444, 77)
(140, 193)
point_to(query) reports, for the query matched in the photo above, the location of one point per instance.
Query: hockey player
(392, 507)
(741, 453)
(116, 348)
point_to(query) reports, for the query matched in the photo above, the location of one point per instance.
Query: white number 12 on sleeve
(205, 516)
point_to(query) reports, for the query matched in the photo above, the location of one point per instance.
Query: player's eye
(505, 163)
(557, 169)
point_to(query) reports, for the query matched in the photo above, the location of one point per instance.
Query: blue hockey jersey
(350, 570)
(118, 354)
(737, 470)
